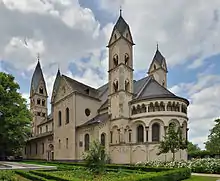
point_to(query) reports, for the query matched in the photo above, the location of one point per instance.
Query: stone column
(147, 137)
(165, 130)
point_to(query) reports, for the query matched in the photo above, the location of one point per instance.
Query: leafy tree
(173, 141)
(213, 143)
(15, 121)
(192, 147)
(96, 157)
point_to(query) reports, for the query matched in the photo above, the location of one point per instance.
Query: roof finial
(120, 10)
(38, 57)
(157, 45)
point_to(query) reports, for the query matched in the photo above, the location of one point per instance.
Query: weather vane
(120, 10)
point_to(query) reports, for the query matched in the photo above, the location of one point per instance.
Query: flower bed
(205, 165)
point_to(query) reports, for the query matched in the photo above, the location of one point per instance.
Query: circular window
(87, 112)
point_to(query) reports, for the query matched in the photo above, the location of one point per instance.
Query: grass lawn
(201, 178)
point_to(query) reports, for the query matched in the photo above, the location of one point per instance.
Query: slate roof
(121, 25)
(37, 77)
(80, 87)
(97, 119)
(158, 57)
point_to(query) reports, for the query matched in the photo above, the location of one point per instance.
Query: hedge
(8, 175)
(30, 176)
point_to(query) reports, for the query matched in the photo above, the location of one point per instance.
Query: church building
(129, 117)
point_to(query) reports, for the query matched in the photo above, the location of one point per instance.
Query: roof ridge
(78, 82)
(145, 84)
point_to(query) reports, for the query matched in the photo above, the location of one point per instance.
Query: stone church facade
(129, 117)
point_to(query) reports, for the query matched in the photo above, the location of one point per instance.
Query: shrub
(8, 176)
(206, 165)
(96, 158)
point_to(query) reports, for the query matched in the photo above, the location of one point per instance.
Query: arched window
(59, 118)
(173, 107)
(157, 107)
(155, 67)
(126, 59)
(126, 85)
(162, 106)
(140, 134)
(115, 85)
(103, 139)
(133, 110)
(115, 60)
(138, 108)
(67, 115)
(38, 101)
(155, 132)
(169, 106)
(86, 141)
(151, 107)
(41, 90)
(43, 102)
(177, 107)
(143, 108)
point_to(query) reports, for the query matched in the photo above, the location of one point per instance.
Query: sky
(73, 34)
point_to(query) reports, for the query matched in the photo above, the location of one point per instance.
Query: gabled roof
(37, 77)
(97, 119)
(81, 88)
(55, 85)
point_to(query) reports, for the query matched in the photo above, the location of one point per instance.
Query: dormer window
(41, 90)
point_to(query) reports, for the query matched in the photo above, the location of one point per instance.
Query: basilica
(129, 117)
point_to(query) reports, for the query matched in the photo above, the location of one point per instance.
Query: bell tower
(120, 71)
(158, 68)
(38, 99)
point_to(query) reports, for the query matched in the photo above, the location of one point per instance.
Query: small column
(147, 130)
(118, 136)
(165, 130)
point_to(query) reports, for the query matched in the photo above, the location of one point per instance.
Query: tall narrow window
(40, 130)
(59, 118)
(129, 136)
(111, 135)
(103, 139)
(140, 133)
(36, 148)
(43, 102)
(59, 144)
(41, 90)
(155, 132)
(67, 115)
(86, 142)
(38, 101)
(115, 60)
(126, 59)
(42, 148)
(67, 142)
(127, 85)
(46, 128)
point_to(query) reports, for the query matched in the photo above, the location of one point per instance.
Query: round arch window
(87, 112)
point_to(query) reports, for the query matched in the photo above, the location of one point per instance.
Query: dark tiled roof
(55, 85)
(37, 77)
(153, 89)
(104, 105)
(121, 25)
(158, 57)
(80, 87)
(97, 119)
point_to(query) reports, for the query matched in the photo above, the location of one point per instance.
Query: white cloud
(204, 105)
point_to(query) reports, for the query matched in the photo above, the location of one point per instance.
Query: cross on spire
(157, 45)
(38, 56)
(120, 10)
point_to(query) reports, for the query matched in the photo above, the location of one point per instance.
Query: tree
(192, 147)
(15, 119)
(173, 141)
(96, 157)
(213, 143)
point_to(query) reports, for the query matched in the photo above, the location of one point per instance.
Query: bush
(8, 176)
(206, 165)
(96, 158)
(30, 176)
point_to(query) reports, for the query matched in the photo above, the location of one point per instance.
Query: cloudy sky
(73, 35)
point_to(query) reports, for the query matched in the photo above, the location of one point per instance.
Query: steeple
(121, 30)
(55, 85)
(158, 68)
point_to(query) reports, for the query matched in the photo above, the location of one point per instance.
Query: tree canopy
(192, 147)
(213, 143)
(173, 141)
(15, 119)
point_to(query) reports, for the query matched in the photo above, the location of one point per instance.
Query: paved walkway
(24, 166)
(206, 175)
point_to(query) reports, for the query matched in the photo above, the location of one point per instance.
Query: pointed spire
(157, 46)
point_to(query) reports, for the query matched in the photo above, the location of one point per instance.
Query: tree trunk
(173, 156)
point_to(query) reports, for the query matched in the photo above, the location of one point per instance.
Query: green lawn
(201, 178)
